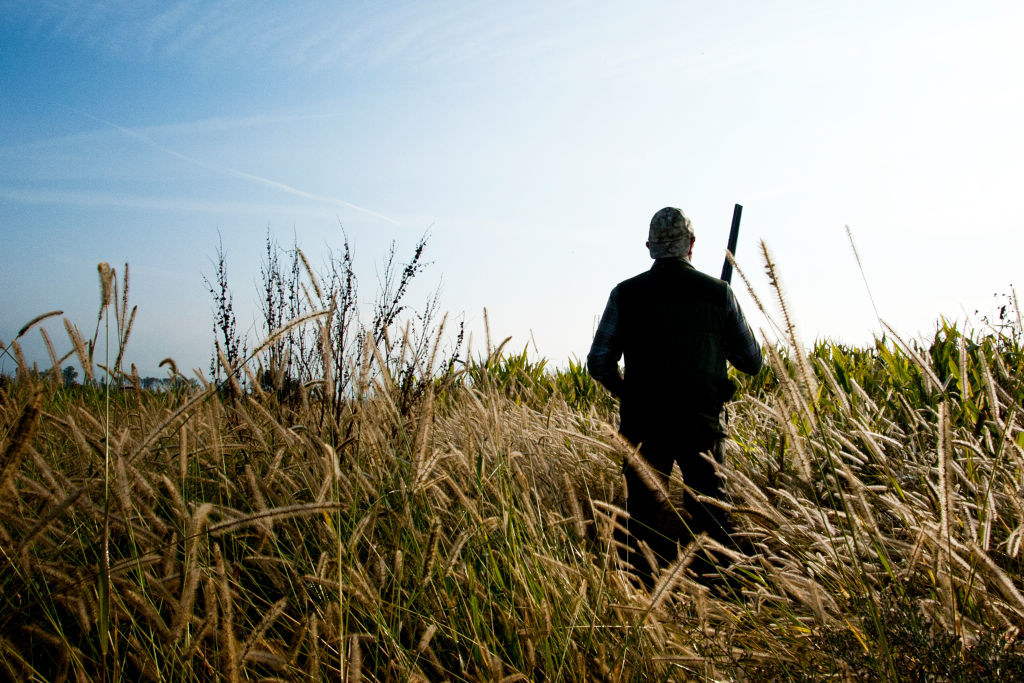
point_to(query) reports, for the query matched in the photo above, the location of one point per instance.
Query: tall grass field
(368, 501)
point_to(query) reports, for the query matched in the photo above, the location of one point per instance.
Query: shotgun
(734, 233)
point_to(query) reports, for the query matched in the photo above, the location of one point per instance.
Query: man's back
(675, 328)
(673, 325)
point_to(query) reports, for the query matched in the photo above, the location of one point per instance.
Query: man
(676, 328)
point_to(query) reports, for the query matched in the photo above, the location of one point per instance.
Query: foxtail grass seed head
(106, 283)
(424, 641)
(34, 321)
(20, 438)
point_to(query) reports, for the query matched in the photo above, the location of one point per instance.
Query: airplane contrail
(234, 172)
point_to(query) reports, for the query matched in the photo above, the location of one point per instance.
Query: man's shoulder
(682, 273)
(636, 280)
(709, 282)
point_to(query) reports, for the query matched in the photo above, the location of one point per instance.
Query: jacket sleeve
(741, 347)
(603, 359)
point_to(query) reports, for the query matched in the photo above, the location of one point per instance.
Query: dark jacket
(676, 327)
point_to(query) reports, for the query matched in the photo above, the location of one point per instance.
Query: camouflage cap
(671, 234)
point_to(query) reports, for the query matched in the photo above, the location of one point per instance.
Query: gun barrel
(734, 233)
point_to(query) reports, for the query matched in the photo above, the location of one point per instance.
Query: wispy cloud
(229, 34)
(88, 198)
(307, 195)
(235, 173)
(213, 124)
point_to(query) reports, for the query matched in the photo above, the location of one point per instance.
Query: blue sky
(534, 140)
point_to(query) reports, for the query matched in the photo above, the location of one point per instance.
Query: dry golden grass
(468, 534)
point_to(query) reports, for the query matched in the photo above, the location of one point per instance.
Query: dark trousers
(659, 525)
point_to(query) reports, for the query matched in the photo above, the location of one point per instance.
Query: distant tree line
(69, 375)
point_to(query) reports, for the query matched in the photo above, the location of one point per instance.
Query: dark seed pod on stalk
(21, 437)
